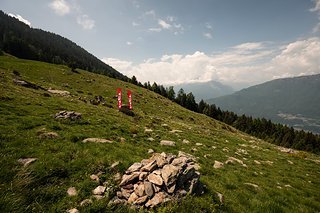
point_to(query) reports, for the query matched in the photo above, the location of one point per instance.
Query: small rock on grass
(167, 143)
(74, 210)
(217, 164)
(86, 202)
(27, 161)
(96, 140)
(99, 190)
(72, 191)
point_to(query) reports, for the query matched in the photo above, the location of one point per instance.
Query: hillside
(264, 178)
(291, 101)
(205, 90)
(22, 41)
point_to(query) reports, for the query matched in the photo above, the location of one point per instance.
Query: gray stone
(74, 210)
(167, 143)
(157, 199)
(125, 193)
(134, 167)
(68, 115)
(150, 166)
(94, 177)
(148, 188)
(169, 173)
(49, 135)
(99, 190)
(86, 202)
(141, 200)
(133, 197)
(160, 159)
(27, 161)
(140, 190)
(155, 179)
(129, 178)
(96, 140)
(72, 191)
(59, 92)
(150, 151)
(217, 164)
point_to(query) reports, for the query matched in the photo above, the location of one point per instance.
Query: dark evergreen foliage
(18, 39)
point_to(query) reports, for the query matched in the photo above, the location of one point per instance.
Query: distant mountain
(205, 90)
(291, 101)
(20, 40)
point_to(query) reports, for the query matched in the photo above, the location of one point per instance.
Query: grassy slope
(67, 162)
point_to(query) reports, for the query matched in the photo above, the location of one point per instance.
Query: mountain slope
(267, 180)
(20, 40)
(292, 101)
(205, 90)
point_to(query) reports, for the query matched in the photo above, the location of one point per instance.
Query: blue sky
(236, 42)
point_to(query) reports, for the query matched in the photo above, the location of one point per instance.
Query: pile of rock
(68, 115)
(159, 179)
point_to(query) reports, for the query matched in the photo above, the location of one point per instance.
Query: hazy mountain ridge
(298, 96)
(205, 90)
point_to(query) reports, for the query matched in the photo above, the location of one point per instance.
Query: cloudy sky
(236, 42)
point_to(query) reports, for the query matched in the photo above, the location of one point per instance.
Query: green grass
(66, 161)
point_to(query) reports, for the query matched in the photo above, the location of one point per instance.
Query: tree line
(259, 127)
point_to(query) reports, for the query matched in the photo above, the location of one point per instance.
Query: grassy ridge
(66, 161)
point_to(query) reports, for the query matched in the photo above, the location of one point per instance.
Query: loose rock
(68, 115)
(96, 140)
(167, 143)
(72, 191)
(27, 161)
(99, 190)
(217, 164)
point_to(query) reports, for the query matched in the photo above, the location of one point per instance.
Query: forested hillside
(291, 101)
(18, 39)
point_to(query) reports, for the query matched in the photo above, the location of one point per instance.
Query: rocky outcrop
(161, 178)
(68, 115)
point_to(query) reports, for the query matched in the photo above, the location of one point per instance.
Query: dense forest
(262, 128)
(18, 39)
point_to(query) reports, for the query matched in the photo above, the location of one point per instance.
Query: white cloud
(150, 13)
(233, 67)
(135, 24)
(207, 35)
(129, 43)
(20, 18)
(164, 24)
(249, 46)
(155, 30)
(208, 26)
(86, 22)
(316, 7)
(118, 64)
(60, 7)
